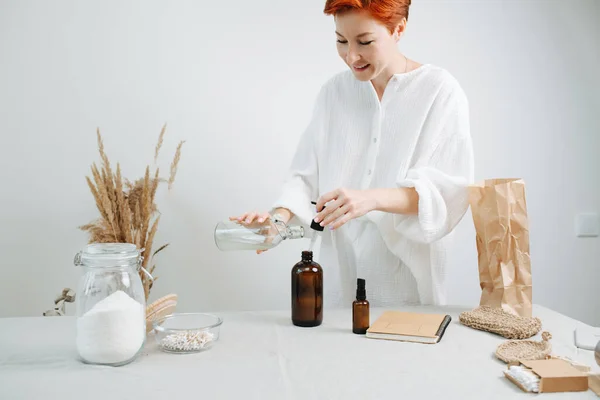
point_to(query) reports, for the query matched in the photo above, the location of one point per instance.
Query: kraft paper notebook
(409, 327)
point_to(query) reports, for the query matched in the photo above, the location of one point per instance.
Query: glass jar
(110, 304)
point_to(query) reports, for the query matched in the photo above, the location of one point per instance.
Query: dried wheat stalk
(160, 142)
(174, 164)
(128, 213)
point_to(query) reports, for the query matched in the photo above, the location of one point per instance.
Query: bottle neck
(292, 232)
(307, 256)
(361, 294)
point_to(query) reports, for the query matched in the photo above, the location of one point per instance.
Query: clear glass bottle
(232, 235)
(110, 304)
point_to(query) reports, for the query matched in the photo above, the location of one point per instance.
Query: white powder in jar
(112, 331)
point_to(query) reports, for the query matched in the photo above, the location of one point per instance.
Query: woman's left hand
(344, 205)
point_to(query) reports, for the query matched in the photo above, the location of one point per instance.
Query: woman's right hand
(252, 218)
(256, 218)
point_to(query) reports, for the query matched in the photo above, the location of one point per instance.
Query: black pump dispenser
(361, 292)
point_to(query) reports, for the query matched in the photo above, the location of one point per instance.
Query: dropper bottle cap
(361, 292)
(315, 225)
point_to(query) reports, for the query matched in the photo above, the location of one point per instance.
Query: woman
(389, 152)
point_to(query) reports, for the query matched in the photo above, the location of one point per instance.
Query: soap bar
(527, 379)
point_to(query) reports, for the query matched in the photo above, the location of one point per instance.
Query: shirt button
(369, 172)
(374, 140)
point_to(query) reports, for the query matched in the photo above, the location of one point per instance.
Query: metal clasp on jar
(77, 260)
(140, 260)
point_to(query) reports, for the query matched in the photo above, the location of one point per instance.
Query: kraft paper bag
(502, 235)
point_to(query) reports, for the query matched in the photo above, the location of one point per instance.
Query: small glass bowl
(185, 333)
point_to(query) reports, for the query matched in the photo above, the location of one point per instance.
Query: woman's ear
(399, 30)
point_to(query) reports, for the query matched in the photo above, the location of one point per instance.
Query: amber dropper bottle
(360, 309)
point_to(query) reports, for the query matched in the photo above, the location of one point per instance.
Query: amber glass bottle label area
(360, 317)
(307, 294)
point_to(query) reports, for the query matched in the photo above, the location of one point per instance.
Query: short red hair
(388, 12)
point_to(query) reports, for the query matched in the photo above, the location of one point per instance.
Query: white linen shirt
(418, 136)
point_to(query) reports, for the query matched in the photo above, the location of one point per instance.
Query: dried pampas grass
(127, 210)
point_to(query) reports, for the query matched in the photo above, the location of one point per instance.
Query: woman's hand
(344, 205)
(256, 219)
(249, 218)
(253, 220)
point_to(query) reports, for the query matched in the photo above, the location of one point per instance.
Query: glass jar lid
(109, 255)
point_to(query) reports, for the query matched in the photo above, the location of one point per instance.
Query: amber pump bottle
(360, 309)
(307, 289)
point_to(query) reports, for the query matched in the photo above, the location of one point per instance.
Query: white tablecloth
(261, 355)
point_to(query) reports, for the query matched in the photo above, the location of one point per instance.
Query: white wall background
(236, 80)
